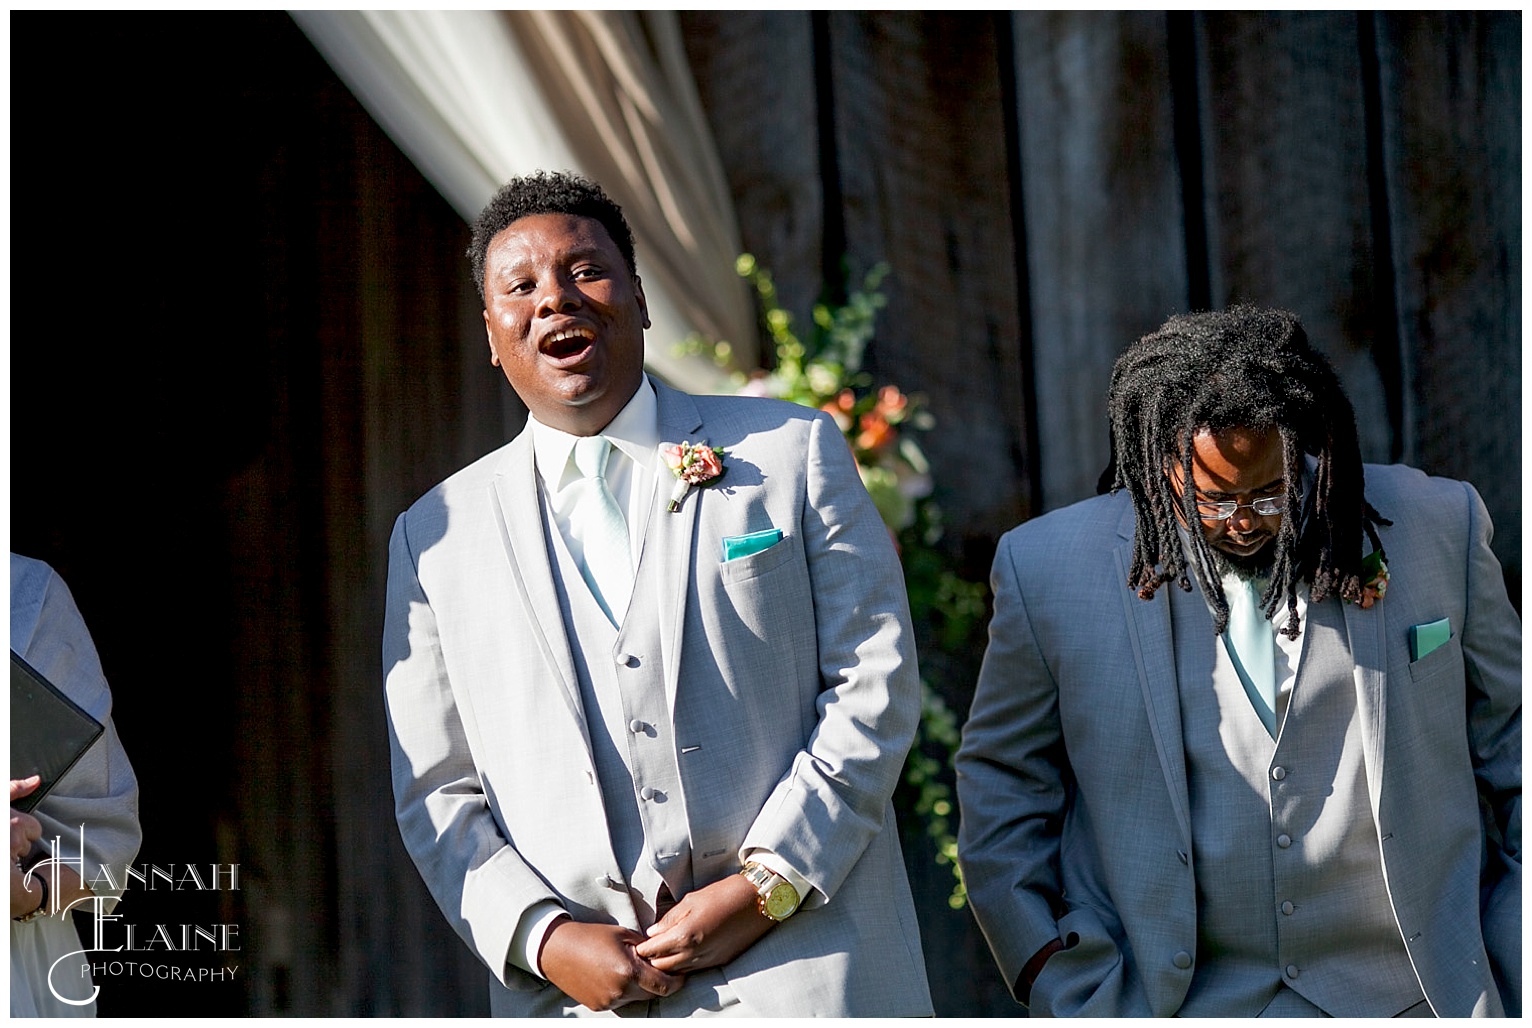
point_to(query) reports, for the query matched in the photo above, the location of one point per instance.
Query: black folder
(49, 731)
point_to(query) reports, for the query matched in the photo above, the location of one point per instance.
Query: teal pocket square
(1428, 637)
(737, 546)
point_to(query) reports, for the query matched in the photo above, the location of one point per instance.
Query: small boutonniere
(1374, 579)
(692, 464)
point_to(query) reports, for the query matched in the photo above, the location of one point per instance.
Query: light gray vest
(1290, 887)
(622, 689)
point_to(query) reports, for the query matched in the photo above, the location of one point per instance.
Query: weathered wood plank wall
(1451, 132)
(1284, 151)
(1360, 169)
(921, 143)
(1105, 235)
(765, 122)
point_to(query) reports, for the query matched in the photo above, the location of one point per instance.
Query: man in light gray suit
(649, 671)
(1291, 786)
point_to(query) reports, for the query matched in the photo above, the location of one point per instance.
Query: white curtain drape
(478, 97)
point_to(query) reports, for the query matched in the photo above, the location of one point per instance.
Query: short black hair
(547, 192)
(1244, 367)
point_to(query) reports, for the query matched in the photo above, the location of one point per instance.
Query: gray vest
(1290, 887)
(622, 689)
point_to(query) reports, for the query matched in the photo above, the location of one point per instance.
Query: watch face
(781, 901)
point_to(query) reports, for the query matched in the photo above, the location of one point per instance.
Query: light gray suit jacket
(791, 679)
(1072, 775)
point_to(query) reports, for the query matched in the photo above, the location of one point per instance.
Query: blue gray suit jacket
(1072, 778)
(791, 680)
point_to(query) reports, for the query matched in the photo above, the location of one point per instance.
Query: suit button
(1292, 972)
(1287, 906)
(636, 726)
(646, 793)
(1278, 773)
(1284, 841)
(1183, 960)
(627, 659)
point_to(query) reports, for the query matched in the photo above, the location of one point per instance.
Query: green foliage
(938, 730)
(812, 371)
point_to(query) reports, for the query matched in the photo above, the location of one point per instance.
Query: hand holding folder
(49, 731)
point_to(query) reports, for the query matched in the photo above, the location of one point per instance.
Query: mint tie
(1252, 647)
(598, 524)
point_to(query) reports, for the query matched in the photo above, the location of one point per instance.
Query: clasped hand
(708, 928)
(606, 966)
(597, 965)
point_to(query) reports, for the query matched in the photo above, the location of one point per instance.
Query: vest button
(1284, 841)
(1183, 960)
(1287, 906)
(1292, 971)
(646, 793)
(1278, 773)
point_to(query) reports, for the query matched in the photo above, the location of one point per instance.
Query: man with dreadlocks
(1290, 784)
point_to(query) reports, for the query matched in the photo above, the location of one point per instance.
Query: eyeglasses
(1223, 510)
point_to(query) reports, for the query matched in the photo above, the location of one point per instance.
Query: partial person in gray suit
(1290, 785)
(649, 671)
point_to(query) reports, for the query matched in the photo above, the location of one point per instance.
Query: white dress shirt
(631, 470)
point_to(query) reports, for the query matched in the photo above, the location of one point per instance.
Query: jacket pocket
(757, 564)
(1447, 655)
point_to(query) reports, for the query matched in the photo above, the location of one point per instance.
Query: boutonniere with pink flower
(693, 464)
(1374, 579)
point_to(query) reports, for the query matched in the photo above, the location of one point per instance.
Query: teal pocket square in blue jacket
(737, 546)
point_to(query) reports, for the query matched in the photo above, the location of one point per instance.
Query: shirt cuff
(808, 896)
(527, 942)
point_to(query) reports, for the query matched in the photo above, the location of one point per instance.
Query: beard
(1256, 565)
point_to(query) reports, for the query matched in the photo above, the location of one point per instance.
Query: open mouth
(568, 345)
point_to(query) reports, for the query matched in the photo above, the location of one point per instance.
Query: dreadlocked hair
(1252, 368)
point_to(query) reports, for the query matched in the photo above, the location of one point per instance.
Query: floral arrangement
(1375, 579)
(825, 372)
(692, 464)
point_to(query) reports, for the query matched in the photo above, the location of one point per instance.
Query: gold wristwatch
(777, 899)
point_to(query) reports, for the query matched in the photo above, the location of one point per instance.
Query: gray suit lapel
(1366, 632)
(670, 538)
(518, 507)
(1154, 658)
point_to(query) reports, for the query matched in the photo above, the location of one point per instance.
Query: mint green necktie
(1252, 647)
(596, 521)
